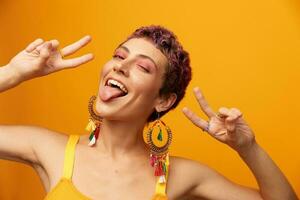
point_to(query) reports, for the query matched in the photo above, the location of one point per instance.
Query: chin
(107, 112)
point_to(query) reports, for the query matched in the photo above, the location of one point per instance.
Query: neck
(122, 139)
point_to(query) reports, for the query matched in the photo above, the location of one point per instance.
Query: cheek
(148, 87)
(106, 69)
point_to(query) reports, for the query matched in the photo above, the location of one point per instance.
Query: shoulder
(187, 166)
(44, 139)
(185, 174)
(47, 143)
(197, 172)
(49, 148)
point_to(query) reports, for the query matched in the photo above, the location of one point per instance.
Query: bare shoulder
(44, 139)
(187, 166)
(49, 147)
(202, 181)
(184, 175)
(23, 143)
(195, 171)
(39, 147)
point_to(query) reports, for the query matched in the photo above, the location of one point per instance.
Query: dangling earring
(94, 122)
(159, 142)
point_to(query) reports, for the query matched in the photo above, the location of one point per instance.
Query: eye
(118, 56)
(144, 68)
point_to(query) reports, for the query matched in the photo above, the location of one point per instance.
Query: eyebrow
(138, 55)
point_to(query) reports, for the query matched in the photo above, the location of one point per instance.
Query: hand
(41, 58)
(227, 126)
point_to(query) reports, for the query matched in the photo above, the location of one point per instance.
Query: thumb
(45, 50)
(229, 124)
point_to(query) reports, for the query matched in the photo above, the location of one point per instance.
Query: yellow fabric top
(65, 189)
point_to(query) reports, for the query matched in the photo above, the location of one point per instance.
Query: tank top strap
(70, 156)
(161, 187)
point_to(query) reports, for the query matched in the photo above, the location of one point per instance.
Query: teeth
(120, 85)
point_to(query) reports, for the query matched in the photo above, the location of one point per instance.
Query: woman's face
(139, 66)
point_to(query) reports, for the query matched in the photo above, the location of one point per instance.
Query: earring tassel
(159, 169)
(97, 131)
(94, 136)
(91, 126)
(164, 168)
(152, 160)
(92, 141)
(162, 179)
(160, 197)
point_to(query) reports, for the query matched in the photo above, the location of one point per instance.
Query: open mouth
(112, 89)
(116, 84)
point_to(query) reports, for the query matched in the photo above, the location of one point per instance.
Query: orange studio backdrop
(244, 54)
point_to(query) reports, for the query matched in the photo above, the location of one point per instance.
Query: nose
(121, 68)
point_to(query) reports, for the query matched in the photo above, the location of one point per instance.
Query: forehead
(146, 47)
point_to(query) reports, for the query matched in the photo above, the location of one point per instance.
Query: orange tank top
(65, 189)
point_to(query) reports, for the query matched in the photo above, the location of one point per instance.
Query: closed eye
(145, 69)
(117, 56)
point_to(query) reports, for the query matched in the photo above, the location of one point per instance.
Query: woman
(146, 77)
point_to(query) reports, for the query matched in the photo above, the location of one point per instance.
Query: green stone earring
(159, 142)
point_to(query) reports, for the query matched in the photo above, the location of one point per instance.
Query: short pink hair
(178, 72)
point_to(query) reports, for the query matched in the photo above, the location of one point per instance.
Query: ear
(166, 102)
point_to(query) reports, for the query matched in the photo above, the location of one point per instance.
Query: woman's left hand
(227, 126)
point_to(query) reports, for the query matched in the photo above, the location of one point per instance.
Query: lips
(115, 79)
(112, 89)
(116, 84)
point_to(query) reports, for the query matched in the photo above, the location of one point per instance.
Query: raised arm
(22, 143)
(41, 58)
(229, 127)
(8, 78)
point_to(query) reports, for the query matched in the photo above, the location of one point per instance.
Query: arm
(210, 184)
(272, 182)
(41, 58)
(8, 78)
(229, 127)
(22, 143)
(207, 183)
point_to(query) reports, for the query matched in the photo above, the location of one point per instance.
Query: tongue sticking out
(108, 93)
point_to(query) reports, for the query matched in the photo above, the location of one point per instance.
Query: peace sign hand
(227, 126)
(41, 58)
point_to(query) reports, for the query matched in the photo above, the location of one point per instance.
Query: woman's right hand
(43, 57)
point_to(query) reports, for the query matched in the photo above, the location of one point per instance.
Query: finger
(234, 114)
(55, 44)
(233, 118)
(39, 47)
(194, 118)
(33, 45)
(203, 103)
(68, 50)
(45, 50)
(227, 115)
(74, 62)
(230, 126)
(230, 121)
(224, 112)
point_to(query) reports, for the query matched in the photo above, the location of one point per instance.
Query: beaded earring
(159, 142)
(94, 122)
